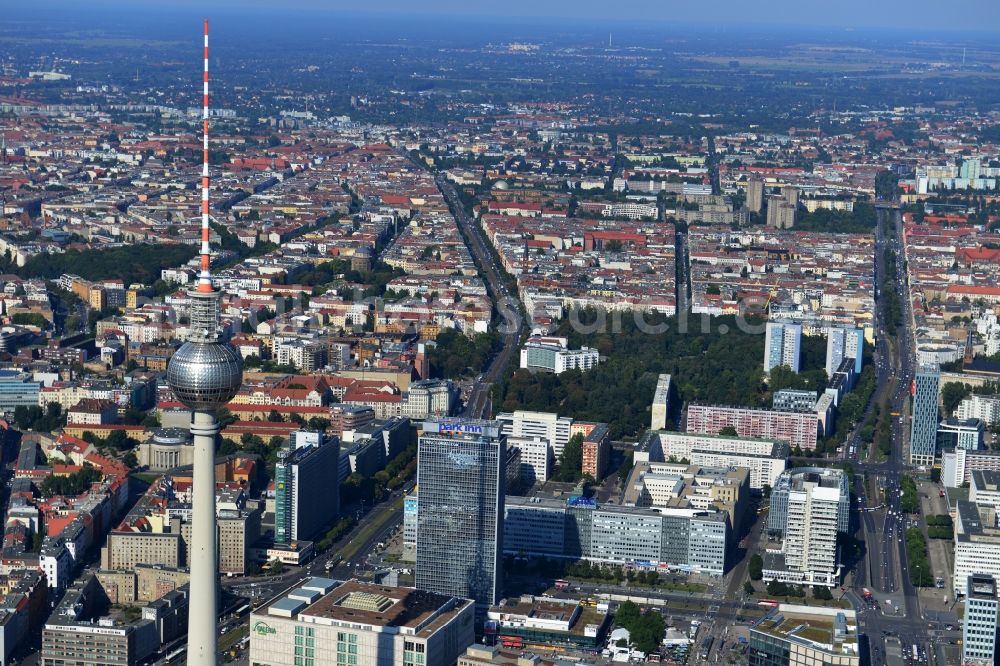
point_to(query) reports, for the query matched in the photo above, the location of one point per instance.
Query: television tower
(205, 374)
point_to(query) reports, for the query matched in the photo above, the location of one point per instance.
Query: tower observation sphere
(205, 376)
(205, 373)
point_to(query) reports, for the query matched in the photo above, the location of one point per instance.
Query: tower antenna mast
(204, 279)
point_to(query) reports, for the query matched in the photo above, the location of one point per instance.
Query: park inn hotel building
(323, 622)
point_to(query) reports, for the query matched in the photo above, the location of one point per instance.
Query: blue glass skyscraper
(461, 480)
(924, 423)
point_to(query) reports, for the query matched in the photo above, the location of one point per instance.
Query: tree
(224, 417)
(729, 431)
(645, 629)
(822, 593)
(715, 368)
(886, 184)
(571, 462)
(30, 319)
(627, 613)
(457, 355)
(118, 439)
(748, 587)
(227, 447)
(133, 416)
(953, 393)
(70, 485)
(319, 423)
(139, 262)
(756, 567)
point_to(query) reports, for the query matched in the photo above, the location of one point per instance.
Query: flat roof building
(765, 458)
(977, 544)
(793, 400)
(804, 635)
(782, 342)
(984, 488)
(958, 465)
(677, 485)
(983, 407)
(552, 355)
(551, 622)
(303, 477)
(960, 434)
(321, 621)
(79, 632)
(685, 539)
(551, 427)
(844, 343)
(809, 506)
(798, 430)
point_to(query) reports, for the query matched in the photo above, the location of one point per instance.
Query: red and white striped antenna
(205, 279)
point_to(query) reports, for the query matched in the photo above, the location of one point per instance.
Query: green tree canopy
(571, 461)
(755, 567)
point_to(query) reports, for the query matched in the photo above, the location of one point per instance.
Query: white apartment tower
(661, 403)
(810, 547)
(551, 427)
(781, 345)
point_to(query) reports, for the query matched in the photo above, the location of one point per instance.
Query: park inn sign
(487, 428)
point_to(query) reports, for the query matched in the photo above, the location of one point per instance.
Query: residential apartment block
(552, 355)
(798, 430)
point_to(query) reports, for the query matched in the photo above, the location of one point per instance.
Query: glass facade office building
(924, 424)
(461, 476)
(17, 390)
(303, 477)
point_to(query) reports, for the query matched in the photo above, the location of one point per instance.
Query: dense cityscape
(418, 341)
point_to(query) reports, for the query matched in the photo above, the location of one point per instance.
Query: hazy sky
(928, 14)
(923, 15)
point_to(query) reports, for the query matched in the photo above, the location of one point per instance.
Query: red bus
(562, 584)
(512, 641)
(770, 603)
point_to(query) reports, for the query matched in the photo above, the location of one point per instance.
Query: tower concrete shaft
(203, 554)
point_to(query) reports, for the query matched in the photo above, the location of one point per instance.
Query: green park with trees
(129, 263)
(707, 366)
